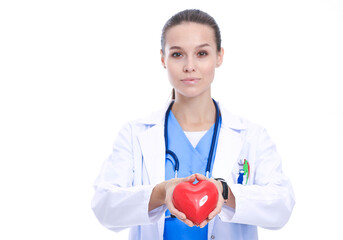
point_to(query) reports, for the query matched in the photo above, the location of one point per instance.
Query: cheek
(173, 71)
(208, 69)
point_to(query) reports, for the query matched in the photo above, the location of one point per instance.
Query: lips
(190, 80)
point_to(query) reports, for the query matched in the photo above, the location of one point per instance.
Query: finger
(204, 223)
(174, 211)
(190, 178)
(200, 176)
(214, 213)
(217, 209)
(181, 216)
(188, 222)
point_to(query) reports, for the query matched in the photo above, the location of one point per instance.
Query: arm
(117, 203)
(269, 200)
(158, 196)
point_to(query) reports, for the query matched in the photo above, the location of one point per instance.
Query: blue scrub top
(191, 160)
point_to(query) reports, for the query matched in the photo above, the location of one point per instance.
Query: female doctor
(193, 138)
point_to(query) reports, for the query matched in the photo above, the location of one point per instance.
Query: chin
(194, 94)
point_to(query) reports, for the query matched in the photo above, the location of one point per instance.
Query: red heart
(197, 201)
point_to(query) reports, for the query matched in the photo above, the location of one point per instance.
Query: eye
(176, 54)
(202, 53)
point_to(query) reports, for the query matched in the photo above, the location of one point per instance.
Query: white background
(73, 72)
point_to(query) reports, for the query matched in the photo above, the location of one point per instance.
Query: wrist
(158, 196)
(162, 191)
(225, 188)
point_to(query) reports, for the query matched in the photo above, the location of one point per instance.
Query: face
(191, 58)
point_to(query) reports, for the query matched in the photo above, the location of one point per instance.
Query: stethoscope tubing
(213, 142)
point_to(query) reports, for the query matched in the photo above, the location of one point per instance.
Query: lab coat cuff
(241, 214)
(148, 217)
(157, 213)
(226, 214)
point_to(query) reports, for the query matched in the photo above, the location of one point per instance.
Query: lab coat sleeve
(117, 203)
(269, 199)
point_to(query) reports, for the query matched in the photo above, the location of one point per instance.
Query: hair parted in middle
(194, 16)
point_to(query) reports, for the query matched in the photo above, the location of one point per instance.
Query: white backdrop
(73, 72)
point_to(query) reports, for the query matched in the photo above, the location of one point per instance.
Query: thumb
(191, 178)
(200, 176)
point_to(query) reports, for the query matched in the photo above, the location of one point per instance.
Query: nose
(189, 66)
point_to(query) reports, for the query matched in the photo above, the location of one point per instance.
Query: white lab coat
(137, 164)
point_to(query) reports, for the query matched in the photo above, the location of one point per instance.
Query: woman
(135, 187)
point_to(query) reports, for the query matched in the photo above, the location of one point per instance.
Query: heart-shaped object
(197, 201)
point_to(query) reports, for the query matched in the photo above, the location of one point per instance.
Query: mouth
(190, 80)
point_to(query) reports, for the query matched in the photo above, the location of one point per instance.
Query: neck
(194, 114)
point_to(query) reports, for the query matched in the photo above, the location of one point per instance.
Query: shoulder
(237, 123)
(252, 134)
(249, 131)
(156, 118)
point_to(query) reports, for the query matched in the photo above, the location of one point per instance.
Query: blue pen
(240, 177)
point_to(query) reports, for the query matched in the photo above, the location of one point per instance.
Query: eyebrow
(200, 46)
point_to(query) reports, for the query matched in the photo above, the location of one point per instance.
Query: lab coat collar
(153, 145)
(229, 120)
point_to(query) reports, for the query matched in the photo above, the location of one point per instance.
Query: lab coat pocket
(241, 172)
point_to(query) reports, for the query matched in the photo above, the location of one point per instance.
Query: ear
(163, 59)
(220, 57)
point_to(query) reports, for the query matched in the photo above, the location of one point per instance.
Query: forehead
(190, 34)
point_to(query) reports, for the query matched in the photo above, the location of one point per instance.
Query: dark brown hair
(195, 16)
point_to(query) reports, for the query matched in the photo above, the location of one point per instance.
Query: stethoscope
(213, 143)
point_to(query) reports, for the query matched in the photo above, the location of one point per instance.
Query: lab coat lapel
(230, 143)
(153, 151)
(228, 150)
(229, 147)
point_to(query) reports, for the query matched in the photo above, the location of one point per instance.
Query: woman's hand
(220, 201)
(163, 194)
(169, 189)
